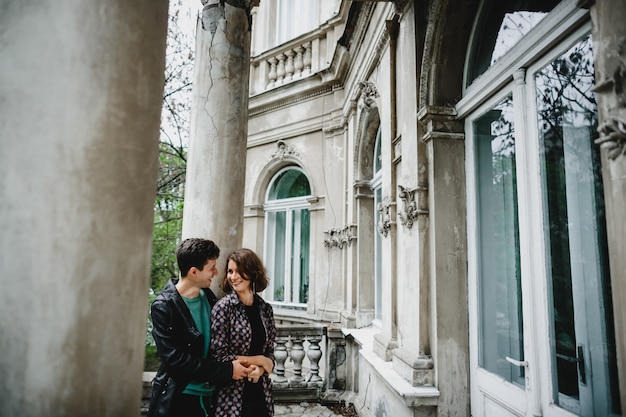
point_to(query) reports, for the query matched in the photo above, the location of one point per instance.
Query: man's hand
(239, 371)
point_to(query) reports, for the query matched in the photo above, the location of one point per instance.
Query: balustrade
(310, 359)
(298, 357)
(294, 60)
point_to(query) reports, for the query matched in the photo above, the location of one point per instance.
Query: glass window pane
(303, 259)
(577, 251)
(287, 237)
(378, 163)
(502, 24)
(378, 258)
(290, 27)
(276, 264)
(290, 183)
(499, 292)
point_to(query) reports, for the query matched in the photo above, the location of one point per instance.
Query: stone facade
(400, 70)
(374, 103)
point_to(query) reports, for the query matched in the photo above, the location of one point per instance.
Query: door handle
(580, 351)
(579, 360)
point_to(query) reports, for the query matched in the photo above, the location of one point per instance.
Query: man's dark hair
(195, 252)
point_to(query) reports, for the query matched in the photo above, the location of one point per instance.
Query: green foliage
(168, 205)
(152, 360)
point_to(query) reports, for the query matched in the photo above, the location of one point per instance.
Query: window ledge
(421, 396)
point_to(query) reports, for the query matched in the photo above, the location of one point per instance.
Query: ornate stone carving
(613, 129)
(284, 150)
(409, 214)
(617, 83)
(370, 93)
(384, 217)
(613, 137)
(339, 238)
(400, 5)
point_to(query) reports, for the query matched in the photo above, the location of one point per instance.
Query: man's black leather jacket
(180, 344)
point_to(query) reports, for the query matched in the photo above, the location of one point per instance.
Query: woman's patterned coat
(231, 335)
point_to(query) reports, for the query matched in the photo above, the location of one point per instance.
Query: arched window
(376, 185)
(540, 304)
(287, 237)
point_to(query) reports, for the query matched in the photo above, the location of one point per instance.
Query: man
(181, 315)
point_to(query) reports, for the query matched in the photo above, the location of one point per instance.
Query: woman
(242, 327)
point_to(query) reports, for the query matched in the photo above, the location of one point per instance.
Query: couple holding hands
(216, 356)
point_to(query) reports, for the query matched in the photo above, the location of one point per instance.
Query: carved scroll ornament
(613, 137)
(339, 238)
(384, 217)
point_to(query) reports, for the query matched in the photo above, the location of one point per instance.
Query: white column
(81, 86)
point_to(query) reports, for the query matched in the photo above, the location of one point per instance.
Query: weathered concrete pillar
(216, 162)
(609, 35)
(81, 86)
(449, 339)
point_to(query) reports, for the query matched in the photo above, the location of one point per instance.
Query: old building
(430, 176)
(439, 182)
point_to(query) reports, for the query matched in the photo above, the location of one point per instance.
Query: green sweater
(201, 313)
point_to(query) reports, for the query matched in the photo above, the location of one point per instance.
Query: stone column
(449, 340)
(81, 86)
(609, 35)
(216, 162)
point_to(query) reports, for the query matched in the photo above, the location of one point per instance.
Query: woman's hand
(259, 360)
(254, 373)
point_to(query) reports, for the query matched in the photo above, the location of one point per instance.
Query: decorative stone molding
(613, 137)
(613, 129)
(440, 122)
(585, 4)
(284, 151)
(384, 217)
(616, 83)
(400, 5)
(409, 215)
(339, 238)
(363, 189)
(370, 93)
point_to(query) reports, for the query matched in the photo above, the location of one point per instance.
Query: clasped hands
(252, 368)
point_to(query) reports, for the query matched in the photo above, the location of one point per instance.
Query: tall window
(540, 309)
(376, 185)
(295, 17)
(287, 231)
(500, 314)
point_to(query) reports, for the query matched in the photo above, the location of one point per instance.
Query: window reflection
(501, 26)
(500, 306)
(576, 241)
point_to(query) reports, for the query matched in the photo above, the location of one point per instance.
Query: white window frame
(287, 205)
(376, 185)
(563, 27)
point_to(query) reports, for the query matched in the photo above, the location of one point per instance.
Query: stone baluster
(297, 355)
(280, 70)
(298, 62)
(272, 73)
(289, 68)
(307, 58)
(314, 354)
(280, 356)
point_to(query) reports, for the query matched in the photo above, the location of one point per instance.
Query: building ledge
(420, 396)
